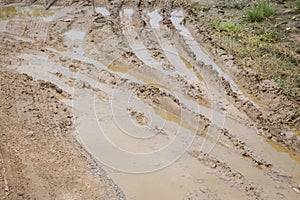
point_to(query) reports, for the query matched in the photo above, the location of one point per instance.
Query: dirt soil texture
(149, 99)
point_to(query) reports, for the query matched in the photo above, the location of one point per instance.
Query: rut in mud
(163, 116)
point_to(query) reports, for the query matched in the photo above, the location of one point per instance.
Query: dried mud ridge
(126, 47)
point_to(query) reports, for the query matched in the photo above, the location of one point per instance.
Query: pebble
(68, 20)
(296, 190)
(29, 134)
(20, 194)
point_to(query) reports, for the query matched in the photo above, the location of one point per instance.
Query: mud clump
(140, 117)
(151, 93)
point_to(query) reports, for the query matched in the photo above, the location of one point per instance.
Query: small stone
(214, 166)
(245, 154)
(62, 59)
(29, 134)
(68, 20)
(269, 136)
(296, 190)
(58, 90)
(20, 194)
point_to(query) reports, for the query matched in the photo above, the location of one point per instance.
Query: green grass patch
(237, 5)
(297, 4)
(263, 49)
(269, 54)
(260, 11)
(227, 27)
(280, 81)
(12, 11)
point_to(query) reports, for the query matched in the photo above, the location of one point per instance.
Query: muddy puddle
(170, 51)
(74, 39)
(178, 181)
(177, 17)
(140, 124)
(23, 12)
(102, 10)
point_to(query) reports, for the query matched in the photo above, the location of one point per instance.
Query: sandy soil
(40, 159)
(142, 76)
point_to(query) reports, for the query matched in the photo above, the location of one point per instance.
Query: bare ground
(256, 157)
(40, 157)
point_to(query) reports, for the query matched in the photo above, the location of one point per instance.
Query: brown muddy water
(21, 12)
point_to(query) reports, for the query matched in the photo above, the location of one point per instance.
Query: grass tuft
(260, 11)
(297, 4)
(237, 5)
(229, 27)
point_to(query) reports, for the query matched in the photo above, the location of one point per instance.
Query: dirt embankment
(256, 72)
(39, 155)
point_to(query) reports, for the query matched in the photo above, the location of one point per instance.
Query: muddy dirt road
(127, 103)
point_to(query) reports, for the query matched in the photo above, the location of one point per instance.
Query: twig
(32, 2)
(93, 5)
(47, 8)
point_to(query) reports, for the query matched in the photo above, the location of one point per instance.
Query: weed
(260, 11)
(280, 81)
(232, 4)
(255, 14)
(237, 5)
(269, 36)
(229, 27)
(297, 4)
